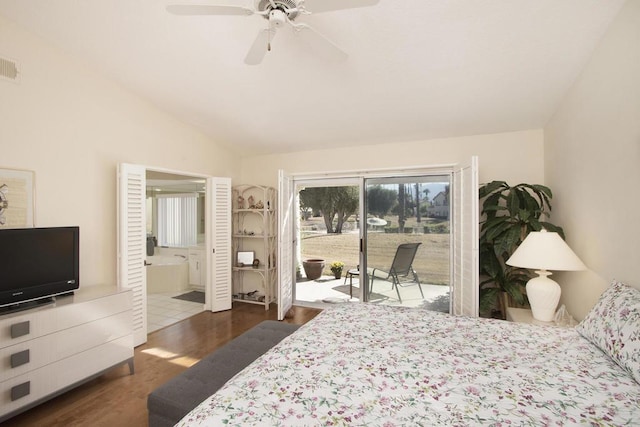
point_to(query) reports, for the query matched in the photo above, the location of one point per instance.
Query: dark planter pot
(313, 268)
(337, 274)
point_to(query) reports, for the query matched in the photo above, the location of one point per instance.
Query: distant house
(439, 206)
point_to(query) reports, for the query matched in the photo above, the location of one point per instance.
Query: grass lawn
(431, 263)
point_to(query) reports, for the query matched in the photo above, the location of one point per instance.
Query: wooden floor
(119, 399)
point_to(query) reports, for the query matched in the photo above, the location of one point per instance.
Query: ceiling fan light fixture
(277, 18)
(281, 5)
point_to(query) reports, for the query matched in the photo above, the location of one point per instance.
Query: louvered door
(286, 213)
(219, 254)
(465, 239)
(131, 243)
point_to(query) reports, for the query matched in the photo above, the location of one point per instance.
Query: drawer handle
(20, 358)
(20, 329)
(20, 390)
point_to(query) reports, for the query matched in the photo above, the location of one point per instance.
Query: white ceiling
(417, 69)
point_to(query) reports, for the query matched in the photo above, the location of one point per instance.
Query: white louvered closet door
(465, 239)
(131, 237)
(219, 252)
(286, 213)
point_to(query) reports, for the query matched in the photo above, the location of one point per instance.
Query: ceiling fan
(279, 13)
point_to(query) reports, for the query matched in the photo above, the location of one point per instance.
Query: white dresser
(48, 350)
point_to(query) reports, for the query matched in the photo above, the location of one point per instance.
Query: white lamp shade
(542, 251)
(545, 250)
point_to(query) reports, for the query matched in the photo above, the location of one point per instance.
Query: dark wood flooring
(119, 399)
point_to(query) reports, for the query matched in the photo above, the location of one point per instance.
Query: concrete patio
(328, 290)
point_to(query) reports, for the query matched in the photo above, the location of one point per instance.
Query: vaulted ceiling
(417, 69)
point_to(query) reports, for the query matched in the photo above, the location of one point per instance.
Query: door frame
(213, 301)
(471, 218)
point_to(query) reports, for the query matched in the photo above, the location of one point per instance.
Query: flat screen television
(38, 263)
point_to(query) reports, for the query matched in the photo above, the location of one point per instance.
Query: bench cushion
(170, 402)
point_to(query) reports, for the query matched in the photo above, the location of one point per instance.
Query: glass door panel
(407, 241)
(328, 232)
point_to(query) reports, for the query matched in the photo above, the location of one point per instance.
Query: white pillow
(613, 325)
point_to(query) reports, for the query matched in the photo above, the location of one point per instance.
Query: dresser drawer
(37, 384)
(20, 327)
(29, 355)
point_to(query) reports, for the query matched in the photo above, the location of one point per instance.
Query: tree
(418, 202)
(402, 208)
(380, 200)
(337, 203)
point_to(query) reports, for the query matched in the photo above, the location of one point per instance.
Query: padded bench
(170, 402)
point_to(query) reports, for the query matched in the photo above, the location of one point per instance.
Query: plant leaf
(489, 188)
(513, 204)
(550, 227)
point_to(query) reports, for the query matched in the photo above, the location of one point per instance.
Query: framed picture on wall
(17, 194)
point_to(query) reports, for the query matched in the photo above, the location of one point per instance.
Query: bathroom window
(177, 220)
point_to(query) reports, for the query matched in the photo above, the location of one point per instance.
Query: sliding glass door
(411, 241)
(407, 238)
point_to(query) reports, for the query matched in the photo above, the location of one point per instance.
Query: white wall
(72, 127)
(513, 157)
(592, 162)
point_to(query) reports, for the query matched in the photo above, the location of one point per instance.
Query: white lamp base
(543, 294)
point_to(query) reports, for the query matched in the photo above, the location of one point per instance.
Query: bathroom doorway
(175, 261)
(132, 239)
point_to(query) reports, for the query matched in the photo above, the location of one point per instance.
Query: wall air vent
(8, 70)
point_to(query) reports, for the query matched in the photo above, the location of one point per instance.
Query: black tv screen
(38, 262)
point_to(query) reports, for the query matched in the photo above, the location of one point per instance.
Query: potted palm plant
(509, 214)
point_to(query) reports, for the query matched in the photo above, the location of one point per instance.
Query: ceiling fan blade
(259, 47)
(319, 43)
(318, 6)
(205, 9)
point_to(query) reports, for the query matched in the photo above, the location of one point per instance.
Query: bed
(365, 365)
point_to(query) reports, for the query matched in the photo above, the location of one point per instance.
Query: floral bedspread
(369, 365)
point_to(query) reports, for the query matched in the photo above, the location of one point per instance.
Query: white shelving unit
(255, 230)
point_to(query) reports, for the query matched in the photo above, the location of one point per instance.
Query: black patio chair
(401, 269)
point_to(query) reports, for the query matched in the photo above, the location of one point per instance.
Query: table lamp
(544, 250)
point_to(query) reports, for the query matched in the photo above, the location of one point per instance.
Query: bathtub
(167, 274)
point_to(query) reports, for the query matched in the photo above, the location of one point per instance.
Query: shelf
(254, 210)
(263, 222)
(250, 301)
